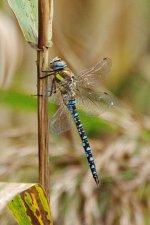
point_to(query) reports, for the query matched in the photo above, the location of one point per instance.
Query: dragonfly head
(57, 64)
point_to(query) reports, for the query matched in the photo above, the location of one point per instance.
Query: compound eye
(58, 64)
(61, 63)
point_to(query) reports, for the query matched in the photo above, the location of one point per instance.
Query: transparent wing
(93, 102)
(87, 99)
(94, 74)
(60, 122)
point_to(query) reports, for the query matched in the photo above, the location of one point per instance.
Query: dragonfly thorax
(66, 83)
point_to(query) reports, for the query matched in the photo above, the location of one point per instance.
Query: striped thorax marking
(59, 77)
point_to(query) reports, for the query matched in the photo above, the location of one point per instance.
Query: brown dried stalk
(42, 63)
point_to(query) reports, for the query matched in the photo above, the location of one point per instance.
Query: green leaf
(26, 13)
(27, 202)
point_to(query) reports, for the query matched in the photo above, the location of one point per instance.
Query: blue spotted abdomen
(72, 108)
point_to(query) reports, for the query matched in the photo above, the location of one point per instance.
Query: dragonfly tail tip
(97, 182)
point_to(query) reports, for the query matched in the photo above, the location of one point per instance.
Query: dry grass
(122, 160)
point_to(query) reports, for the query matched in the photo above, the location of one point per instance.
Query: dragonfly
(77, 89)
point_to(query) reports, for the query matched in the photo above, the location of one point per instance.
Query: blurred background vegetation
(83, 32)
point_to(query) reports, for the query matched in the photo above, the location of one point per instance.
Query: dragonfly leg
(48, 73)
(51, 91)
(36, 95)
(53, 88)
